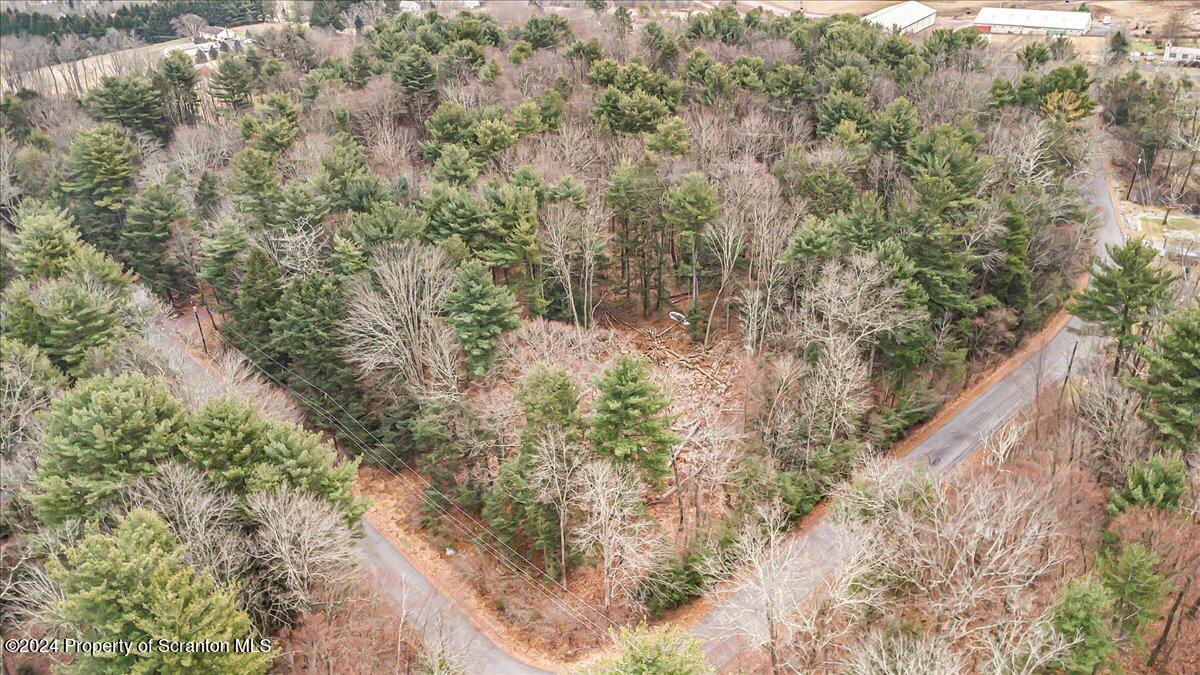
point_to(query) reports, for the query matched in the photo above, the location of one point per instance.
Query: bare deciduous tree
(612, 529)
(555, 471)
(391, 324)
(189, 25)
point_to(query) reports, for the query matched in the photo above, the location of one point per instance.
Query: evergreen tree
(176, 83)
(147, 231)
(233, 83)
(416, 76)
(452, 211)
(101, 437)
(226, 438)
(66, 319)
(307, 330)
(207, 196)
(479, 311)
(131, 101)
(1082, 617)
(455, 166)
(669, 136)
(133, 585)
(895, 125)
(254, 308)
(44, 241)
(348, 258)
(326, 14)
(656, 650)
(221, 256)
(1124, 295)
(629, 421)
(99, 175)
(254, 186)
(361, 67)
(690, 205)
(1012, 282)
(548, 398)
(307, 462)
(1158, 481)
(1137, 590)
(1172, 382)
(303, 204)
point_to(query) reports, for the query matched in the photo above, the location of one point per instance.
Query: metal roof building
(1032, 21)
(906, 17)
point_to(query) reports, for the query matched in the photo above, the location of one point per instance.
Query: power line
(503, 559)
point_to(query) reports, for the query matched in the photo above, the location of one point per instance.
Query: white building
(409, 6)
(1181, 56)
(1032, 21)
(906, 17)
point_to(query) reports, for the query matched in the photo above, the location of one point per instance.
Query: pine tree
(100, 437)
(416, 76)
(131, 101)
(361, 67)
(1011, 284)
(147, 231)
(64, 318)
(226, 439)
(306, 461)
(306, 329)
(326, 14)
(233, 83)
(1137, 590)
(207, 196)
(1124, 295)
(629, 421)
(455, 166)
(1158, 481)
(44, 241)
(895, 126)
(254, 186)
(452, 211)
(690, 205)
(221, 256)
(1082, 617)
(669, 136)
(254, 308)
(1172, 382)
(548, 398)
(479, 311)
(99, 175)
(656, 650)
(348, 258)
(133, 585)
(176, 83)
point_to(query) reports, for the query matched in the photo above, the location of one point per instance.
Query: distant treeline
(151, 22)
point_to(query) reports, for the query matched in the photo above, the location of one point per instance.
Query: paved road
(443, 623)
(818, 548)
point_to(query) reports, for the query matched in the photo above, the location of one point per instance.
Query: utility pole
(196, 316)
(1134, 177)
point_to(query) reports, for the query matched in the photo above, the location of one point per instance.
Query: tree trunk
(1162, 639)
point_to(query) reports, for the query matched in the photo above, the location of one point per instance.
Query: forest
(605, 302)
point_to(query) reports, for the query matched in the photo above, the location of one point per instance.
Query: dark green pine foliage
(1082, 618)
(943, 265)
(479, 311)
(146, 233)
(222, 255)
(1124, 295)
(99, 177)
(1172, 383)
(225, 439)
(207, 196)
(64, 318)
(1012, 283)
(1136, 588)
(361, 67)
(629, 422)
(306, 331)
(176, 84)
(1158, 481)
(100, 438)
(134, 584)
(131, 101)
(416, 76)
(254, 186)
(233, 83)
(255, 307)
